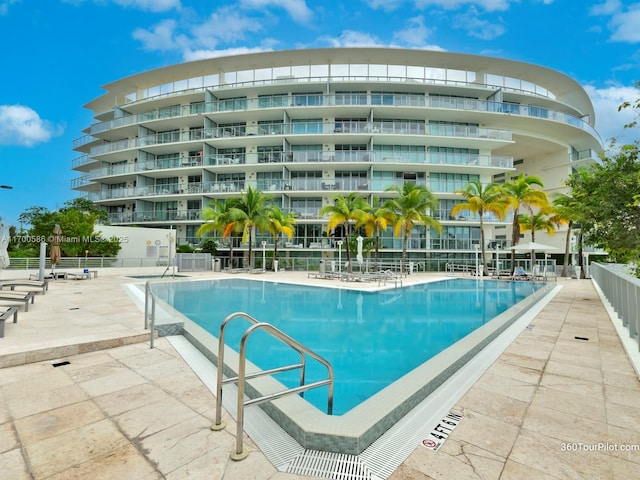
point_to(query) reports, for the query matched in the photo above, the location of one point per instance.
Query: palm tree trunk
(275, 254)
(580, 260)
(485, 271)
(249, 266)
(377, 249)
(346, 242)
(231, 252)
(405, 242)
(515, 236)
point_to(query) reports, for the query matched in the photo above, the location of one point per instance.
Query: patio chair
(12, 284)
(22, 297)
(5, 315)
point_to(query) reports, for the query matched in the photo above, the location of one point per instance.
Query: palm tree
(565, 207)
(344, 211)
(219, 218)
(251, 212)
(481, 199)
(538, 221)
(278, 223)
(410, 209)
(522, 193)
(376, 221)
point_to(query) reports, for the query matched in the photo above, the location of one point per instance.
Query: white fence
(623, 293)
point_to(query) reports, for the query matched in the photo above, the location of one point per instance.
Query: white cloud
(609, 7)
(4, 6)
(488, 5)
(625, 25)
(150, 5)
(202, 54)
(350, 38)
(162, 37)
(227, 25)
(477, 27)
(386, 5)
(145, 5)
(415, 34)
(609, 121)
(20, 125)
(296, 9)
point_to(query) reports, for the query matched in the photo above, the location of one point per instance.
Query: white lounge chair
(12, 284)
(15, 297)
(5, 315)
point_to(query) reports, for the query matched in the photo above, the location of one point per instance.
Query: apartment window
(401, 125)
(450, 182)
(270, 101)
(312, 125)
(306, 153)
(452, 155)
(170, 111)
(270, 154)
(306, 99)
(236, 103)
(232, 129)
(269, 180)
(345, 125)
(437, 127)
(351, 98)
(168, 136)
(270, 127)
(196, 107)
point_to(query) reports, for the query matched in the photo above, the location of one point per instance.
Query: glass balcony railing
(305, 128)
(169, 215)
(331, 100)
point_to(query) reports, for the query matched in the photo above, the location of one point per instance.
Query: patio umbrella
(359, 255)
(4, 242)
(55, 248)
(533, 247)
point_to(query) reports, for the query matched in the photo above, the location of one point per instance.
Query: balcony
(337, 100)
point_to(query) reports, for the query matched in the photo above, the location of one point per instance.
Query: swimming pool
(389, 348)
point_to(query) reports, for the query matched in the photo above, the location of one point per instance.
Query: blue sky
(57, 53)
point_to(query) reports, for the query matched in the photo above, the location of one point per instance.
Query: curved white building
(304, 125)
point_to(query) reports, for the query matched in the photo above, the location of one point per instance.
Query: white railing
(623, 293)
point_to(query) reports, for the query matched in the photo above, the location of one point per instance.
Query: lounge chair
(12, 284)
(4, 315)
(14, 297)
(520, 274)
(79, 276)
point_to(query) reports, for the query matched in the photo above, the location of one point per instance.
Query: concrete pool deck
(551, 406)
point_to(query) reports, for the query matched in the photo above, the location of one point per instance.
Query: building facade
(306, 125)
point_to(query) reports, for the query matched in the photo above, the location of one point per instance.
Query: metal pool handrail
(240, 453)
(148, 294)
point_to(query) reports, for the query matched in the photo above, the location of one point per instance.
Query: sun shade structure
(533, 247)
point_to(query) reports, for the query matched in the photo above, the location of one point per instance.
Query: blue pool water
(370, 338)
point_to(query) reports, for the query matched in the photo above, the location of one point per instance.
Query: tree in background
(346, 210)
(250, 211)
(80, 236)
(522, 193)
(538, 221)
(605, 202)
(218, 218)
(378, 218)
(277, 224)
(410, 208)
(567, 212)
(481, 199)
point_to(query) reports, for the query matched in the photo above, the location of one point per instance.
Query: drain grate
(336, 466)
(60, 364)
